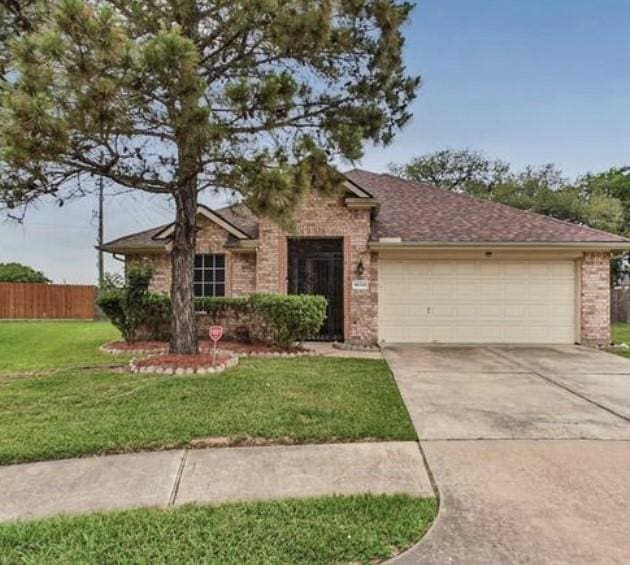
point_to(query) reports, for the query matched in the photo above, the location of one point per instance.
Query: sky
(526, 81)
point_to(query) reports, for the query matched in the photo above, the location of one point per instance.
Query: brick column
(268, 271)
(595, 299)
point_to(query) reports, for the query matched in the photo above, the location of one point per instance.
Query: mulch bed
(185, 361)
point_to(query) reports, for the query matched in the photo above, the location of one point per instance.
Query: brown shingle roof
(424, 213)
(417, 212)
(238, 215)
(140, 241)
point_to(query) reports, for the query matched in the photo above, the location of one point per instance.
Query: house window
(209, 275)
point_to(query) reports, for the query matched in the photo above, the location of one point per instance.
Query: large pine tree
(179, 96)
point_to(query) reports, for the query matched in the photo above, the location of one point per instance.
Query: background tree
(614, 183)
(16, 272)
(175, 97)
(462, 170)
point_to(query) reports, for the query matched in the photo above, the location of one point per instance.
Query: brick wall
(266, 270)
(326, 217)
(243, 275)
(595, 298)
(161, 281)
(240, 267)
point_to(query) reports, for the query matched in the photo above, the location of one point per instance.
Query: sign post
(216, 333)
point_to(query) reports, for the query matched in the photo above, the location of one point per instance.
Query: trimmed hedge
(217, 305)
(138, 313)
(290, 318)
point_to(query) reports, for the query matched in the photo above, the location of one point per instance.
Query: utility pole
(101, 266)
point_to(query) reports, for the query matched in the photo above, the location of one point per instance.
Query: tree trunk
(183, 324)
(186, 116)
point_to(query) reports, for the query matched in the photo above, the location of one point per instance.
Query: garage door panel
(446, 290)
(517, 290)
(490, 290)
(477, 301)
(443, 268)
(466, 311)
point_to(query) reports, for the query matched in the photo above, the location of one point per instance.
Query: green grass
(27, 346)
(621, 334)
(75, 413)
(354, 529)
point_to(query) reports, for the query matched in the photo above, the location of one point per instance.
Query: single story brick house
(406, 262)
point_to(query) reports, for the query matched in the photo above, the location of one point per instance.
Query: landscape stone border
(161, 350)
(180, 371)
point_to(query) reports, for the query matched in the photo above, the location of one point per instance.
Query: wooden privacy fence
(620, 304)
(35, 301)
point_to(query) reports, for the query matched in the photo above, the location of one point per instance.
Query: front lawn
(353, 529)
(621, 334)
(26, 346)
(76, 412)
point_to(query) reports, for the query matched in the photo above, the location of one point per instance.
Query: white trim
(416, 245)
(213, 217)
(356, 190)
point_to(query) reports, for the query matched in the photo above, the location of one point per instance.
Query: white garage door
(477, 301)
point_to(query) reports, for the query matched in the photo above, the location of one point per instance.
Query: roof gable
(213, 216)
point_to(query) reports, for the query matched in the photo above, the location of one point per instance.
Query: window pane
(209, 275)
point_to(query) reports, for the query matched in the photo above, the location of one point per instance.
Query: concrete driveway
(529, 448)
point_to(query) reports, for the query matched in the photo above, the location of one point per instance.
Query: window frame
(209, 270)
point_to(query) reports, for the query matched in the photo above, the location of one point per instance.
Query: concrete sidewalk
(166, 478)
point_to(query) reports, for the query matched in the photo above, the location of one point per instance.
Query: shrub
(112, 280)
(134, 310)
(138, 313)
(290, 318)
(218, 304)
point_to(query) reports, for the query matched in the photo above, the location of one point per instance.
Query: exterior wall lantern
(360, 268)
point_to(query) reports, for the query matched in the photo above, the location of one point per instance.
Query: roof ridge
(502, 205)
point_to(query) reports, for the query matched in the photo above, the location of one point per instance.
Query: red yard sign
(216, 333)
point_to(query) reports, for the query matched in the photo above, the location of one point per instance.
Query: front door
(316, 267)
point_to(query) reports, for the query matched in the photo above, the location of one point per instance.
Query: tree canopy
(16, 272)
(249, 96)
(227, 92)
